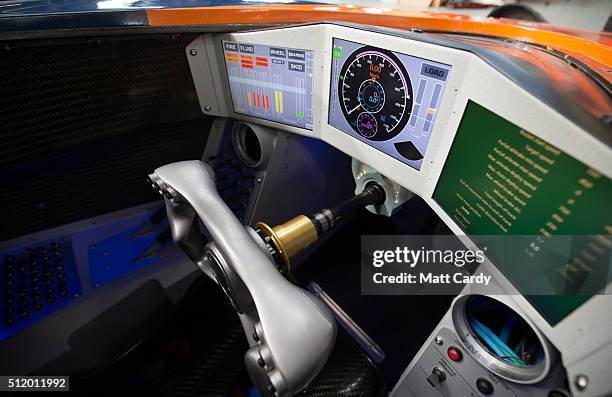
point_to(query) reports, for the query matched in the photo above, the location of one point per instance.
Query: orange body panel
(594, 49)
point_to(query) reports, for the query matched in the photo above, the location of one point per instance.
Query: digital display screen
(386, 99)
(271, 83)
(553, 211)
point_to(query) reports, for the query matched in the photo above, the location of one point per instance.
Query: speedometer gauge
(371, 98)
(375, 93)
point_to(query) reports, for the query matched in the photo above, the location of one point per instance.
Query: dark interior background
(83, 121)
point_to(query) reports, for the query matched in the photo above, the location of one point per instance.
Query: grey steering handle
(296, 332)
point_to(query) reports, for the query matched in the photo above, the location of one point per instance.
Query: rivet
(581, 382)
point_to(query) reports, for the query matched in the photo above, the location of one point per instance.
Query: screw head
(193, 52)
(439, 340)
(581, 382)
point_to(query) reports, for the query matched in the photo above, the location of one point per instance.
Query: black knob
(437, 376)
(484, 386)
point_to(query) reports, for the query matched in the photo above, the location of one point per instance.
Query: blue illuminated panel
(271, 83)
(35, 281)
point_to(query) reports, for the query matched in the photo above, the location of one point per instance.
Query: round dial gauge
(375, 93)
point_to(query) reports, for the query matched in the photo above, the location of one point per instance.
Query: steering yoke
(291, 332)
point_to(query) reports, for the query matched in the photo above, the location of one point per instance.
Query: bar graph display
(271, 83)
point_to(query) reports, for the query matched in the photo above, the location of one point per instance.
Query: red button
(454, 353)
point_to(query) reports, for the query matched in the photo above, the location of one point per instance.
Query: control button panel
(36, 281)
(446, 369)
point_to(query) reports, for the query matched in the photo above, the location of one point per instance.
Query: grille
(83, 123)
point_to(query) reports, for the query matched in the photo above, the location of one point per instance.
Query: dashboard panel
(495, 80)
(386, 99)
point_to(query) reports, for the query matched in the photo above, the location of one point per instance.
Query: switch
(484, 386)
(437, 376)
(454, 353)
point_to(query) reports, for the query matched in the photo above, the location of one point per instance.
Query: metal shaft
(328, 218)
(298, 233)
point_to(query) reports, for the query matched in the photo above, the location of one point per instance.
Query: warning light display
(271, 83)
